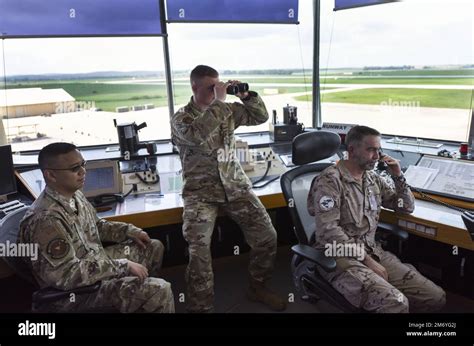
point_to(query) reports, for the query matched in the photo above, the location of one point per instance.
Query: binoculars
(237, 88)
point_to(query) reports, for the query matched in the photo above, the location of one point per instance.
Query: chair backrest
(9, 230)
(314, 146)
(295, 184)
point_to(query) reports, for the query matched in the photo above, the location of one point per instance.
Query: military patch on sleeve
(58, 248)
(326, 203)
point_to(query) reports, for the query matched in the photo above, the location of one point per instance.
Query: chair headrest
(314, 146)
(9, 230)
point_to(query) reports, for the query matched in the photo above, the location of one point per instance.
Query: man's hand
(136, 269)
(142, 239)
(220, 91)
(376, 267)
(393, 165)
(239, 95)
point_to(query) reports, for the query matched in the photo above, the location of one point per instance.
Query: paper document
(420, 177)
(455, 177)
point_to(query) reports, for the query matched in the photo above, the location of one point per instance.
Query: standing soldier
(346, 200)
(69, 234)
(203, 131)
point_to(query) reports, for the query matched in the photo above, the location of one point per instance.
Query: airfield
(405, 119)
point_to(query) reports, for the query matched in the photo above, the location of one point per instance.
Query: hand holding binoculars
(234, 89)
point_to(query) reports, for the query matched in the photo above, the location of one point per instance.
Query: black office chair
(9, 229)
(312, 147)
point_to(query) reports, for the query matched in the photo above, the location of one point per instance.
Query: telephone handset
(107, 198)
(110, 198)
(381, 165)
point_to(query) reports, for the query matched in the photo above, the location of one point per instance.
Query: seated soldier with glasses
(69, 236)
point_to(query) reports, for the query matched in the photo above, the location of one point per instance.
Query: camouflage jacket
(211, 169)
(70, 252)
(347, 211)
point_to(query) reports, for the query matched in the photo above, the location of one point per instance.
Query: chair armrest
(316, 256)
(51, 294)
(393, 229)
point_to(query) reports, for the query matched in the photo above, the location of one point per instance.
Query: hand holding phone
(381, 165)
(389, 164)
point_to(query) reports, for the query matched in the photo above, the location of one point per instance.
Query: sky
(411, 32)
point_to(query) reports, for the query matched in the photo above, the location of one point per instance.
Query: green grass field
(424, 72)
(347, 80)
(426, 98)
(109, 96)
(430, 81)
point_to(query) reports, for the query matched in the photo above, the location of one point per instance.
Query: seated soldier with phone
(346, 200)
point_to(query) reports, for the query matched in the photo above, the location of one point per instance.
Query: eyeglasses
(74, 169)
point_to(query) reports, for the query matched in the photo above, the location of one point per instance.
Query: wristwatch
(400, 178)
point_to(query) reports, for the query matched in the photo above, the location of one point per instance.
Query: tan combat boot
(257, 292)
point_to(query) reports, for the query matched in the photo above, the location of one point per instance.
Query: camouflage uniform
(214, 181)
(347, 212)
(71, 255)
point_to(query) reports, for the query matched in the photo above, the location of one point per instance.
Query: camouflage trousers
(199, 219)
(405, 291)
(128, 294)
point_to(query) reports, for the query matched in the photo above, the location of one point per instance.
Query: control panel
(259, 163)
(140, 175)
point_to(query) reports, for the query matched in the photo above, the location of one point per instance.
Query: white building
(26, 102)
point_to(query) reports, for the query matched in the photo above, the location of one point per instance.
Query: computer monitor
(7, 173)
(102, 177)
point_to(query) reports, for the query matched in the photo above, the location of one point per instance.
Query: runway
(92, 128)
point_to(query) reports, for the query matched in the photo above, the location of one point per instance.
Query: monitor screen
(102, 177)
(7, 174)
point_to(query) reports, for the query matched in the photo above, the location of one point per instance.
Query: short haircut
(50, 152)
(357, 134)
(201, 71)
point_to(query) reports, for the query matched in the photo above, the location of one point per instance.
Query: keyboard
(8, 207)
